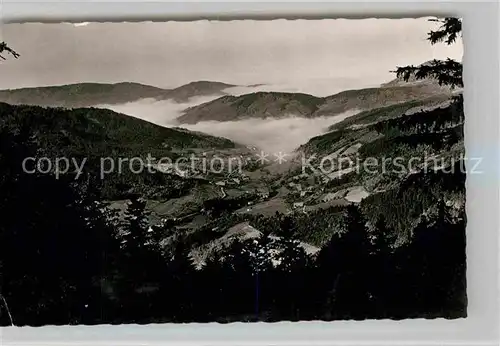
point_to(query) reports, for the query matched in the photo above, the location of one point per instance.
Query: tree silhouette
(55, 241)
(380, 270)
(447, 72)
(343, 265)
(292, 280)
(5, 48)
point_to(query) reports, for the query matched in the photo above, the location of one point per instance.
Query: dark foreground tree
(54, 241)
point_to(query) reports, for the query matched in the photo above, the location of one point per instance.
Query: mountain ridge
(94, 133)
(260, 104)
(281, 104)
(89, 94)
(198, 88)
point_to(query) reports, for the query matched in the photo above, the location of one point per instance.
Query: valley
(246, 183)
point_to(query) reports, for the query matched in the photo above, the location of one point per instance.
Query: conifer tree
(380, 270)
(55, 240)
(177, 285)
(447, 72)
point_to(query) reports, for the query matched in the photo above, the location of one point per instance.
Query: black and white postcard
(232, 171)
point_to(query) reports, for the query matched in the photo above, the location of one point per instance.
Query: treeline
(431, 121)
(120, 273)
(387, 112)
(435, 135)
(314, 227)
(358, 274)
(433, 130)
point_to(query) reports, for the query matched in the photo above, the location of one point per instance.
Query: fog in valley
(271, 135)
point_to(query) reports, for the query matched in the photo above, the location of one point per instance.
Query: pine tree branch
(446, 72)
(5, 48)
(447, 32)
(8, 310)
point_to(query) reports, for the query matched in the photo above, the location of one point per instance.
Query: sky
(319, 57)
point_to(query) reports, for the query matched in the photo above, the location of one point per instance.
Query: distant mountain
(254, 105)
(200, 88)
(279, 105)
(81, 94)
(92, 94)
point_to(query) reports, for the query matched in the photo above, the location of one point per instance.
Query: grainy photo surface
(232, 171)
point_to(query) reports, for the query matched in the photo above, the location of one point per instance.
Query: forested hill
(81, 94)
(370, 98)
(92, 94)
(101, 131)
(93, 134)
(422, 145)
(254, 105)
(279, 105)
(199, 88)
(430, 114)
